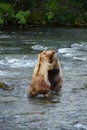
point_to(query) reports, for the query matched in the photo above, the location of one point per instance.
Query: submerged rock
(5, 86)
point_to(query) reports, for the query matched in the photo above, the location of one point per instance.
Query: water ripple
(80, 59)
(5, 36)
(39, 47)
(80, 46)
(9, 48)
(17, 62)
(77, 51)
(81, 126)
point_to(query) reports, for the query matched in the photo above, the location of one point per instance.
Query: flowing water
(18, 56)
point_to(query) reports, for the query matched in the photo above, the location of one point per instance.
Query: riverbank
(36, 26)
(27, 13)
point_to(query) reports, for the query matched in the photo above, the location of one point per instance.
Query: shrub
(6, 13)
(22, 17)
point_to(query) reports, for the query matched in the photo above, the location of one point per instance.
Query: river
(18, 56)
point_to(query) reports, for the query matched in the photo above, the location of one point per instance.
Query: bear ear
(53, 52)
(44, 51)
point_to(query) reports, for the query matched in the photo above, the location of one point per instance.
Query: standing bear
(55, 76)
(39, 82)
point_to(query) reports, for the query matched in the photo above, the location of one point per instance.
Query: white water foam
(76, 52)
(39, 47)
(81, 126)
(80, 59)
(8, 73)
(77, 46)
(23, 63)
(68, 55)
(17, 62)
(80, 46)
(4, 36)
(66, 50)
(3, 73)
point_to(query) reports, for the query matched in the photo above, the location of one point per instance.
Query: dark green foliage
(51, 8)
(61, 12)
(22, 17)
(70, 12)
(6, 13)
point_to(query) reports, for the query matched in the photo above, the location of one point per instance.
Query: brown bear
(55, 76)
(39, 82)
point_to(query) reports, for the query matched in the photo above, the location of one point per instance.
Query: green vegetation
(22, 16)
(43, 12)
(6, 13)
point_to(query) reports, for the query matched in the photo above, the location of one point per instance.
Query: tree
(38, 12)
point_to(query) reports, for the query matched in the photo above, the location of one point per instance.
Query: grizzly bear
(55, 76)
(39, 82)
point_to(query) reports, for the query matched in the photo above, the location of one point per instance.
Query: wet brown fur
(55, 76)
(39, 81)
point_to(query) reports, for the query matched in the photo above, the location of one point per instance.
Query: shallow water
(18, 55)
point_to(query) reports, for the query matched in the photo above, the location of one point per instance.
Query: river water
(18, 56)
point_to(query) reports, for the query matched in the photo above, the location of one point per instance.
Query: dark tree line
(43, 12)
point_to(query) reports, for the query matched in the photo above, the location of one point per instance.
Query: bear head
(47, 55)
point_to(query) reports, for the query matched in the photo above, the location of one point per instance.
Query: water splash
(17, 62)
(80, 58)
(39, 47)
(81, 126)
(76, 52)
(80, 46)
